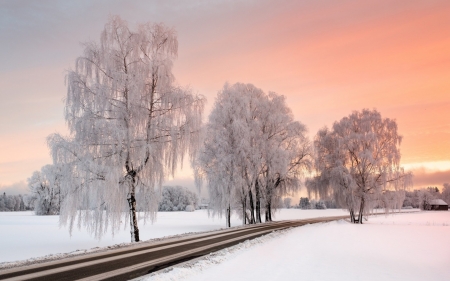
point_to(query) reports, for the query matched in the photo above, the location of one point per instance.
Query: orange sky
(327, 57)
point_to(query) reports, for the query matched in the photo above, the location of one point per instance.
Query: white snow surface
(24, 235)
(410, 246)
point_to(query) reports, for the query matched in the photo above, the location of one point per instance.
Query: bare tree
(130, 126)
(357, 161)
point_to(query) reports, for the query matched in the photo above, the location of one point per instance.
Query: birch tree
(218, 160)
(253, 152)
(286, 152)
(130, 126)
(357, 161)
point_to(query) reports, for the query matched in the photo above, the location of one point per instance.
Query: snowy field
(406, 246)
(24, 235)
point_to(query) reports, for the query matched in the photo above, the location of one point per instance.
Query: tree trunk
(269, 209)
(252, 207)
(268, 205)
(258, 203)
(59, 201)
(244, 211)
(267, 215)
(244, 206)
(352, 216)
(228, 216)
(361, 211)
(134, 230)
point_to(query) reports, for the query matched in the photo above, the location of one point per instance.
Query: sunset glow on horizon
(327, 58)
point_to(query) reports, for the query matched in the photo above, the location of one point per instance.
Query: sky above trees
(327, 58)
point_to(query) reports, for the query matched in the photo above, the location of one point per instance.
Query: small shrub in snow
(321, 205)
(190, 208)
(304, 203)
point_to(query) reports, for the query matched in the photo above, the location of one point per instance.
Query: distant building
(437, 205)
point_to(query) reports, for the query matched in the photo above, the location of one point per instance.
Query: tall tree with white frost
(219, 157)
(286, 152)
(253, 152)
(130, 126)
(357, 161)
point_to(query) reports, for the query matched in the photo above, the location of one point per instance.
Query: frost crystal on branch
(130, 126)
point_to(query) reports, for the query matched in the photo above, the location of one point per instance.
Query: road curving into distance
(134, 261)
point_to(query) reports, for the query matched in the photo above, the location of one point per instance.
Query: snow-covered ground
(24, 235)
(396, 247)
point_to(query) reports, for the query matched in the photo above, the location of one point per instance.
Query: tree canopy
(130, 126)
(358, 161)
(253, 152)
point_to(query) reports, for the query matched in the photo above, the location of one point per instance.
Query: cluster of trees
(177, 198)
(253, 153)
(12, 203)
(131, 126)
(305, 204)
(422, 198)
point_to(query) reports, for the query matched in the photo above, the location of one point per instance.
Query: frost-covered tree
(130, 126)
(446, 193)
(177, 198)
(45, 195)
(218, 160)
(286, 152)
(304, 203)
(320, 205)
(357, 161)
(391, 200)
(12, 203)
(287, 202)
(3, 202)
(253, 152)
(425, 198)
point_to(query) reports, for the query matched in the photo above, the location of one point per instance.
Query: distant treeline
(423, 197)
(11, 203)
(45, 199)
